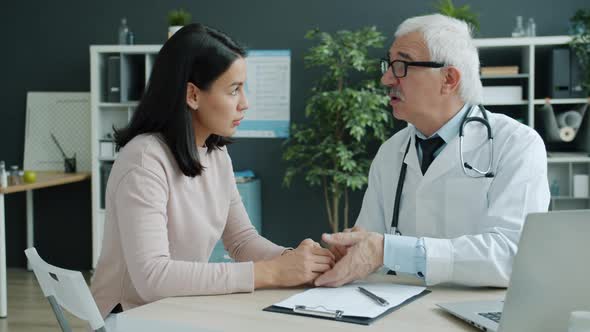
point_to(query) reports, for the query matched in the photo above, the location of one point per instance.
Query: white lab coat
(471, 227)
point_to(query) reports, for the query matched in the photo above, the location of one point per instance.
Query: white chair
(67, 289)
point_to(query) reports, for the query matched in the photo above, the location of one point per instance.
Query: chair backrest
(66, 289)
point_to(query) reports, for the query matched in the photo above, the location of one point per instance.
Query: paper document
(268, 88)
(351, 301)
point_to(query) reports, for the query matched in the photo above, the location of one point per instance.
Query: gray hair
(449, 41)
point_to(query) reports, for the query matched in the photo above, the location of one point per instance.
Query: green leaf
(464, 13)
(347, 114)
(580, 44)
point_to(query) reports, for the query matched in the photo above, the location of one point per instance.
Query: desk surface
(243, 312)
(47, 179)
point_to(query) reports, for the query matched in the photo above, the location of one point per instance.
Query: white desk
(243, 312)
(44, 180)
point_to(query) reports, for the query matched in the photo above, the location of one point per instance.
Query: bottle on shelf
(130, 38)
(519, 28)
(13, 178)
(531, 28)
(554, 188)
(3, 175)
(123, 32)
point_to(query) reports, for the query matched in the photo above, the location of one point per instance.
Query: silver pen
(379, 300)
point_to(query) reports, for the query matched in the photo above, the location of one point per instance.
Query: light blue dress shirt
(407, 254)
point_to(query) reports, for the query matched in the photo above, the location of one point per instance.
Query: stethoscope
(473, 172)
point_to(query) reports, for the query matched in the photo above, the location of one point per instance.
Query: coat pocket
(466, 202)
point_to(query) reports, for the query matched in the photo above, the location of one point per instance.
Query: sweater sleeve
(240, 238)
(141, 209)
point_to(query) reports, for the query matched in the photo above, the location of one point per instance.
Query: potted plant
(464, 13)
(345, 116)
(176, 20)
(580, 43)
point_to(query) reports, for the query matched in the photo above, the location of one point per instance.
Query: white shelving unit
(107, 114)
(527, 47)
(561, 167)
(561, 170)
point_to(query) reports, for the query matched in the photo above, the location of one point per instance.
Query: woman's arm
(240, 238)
(140, 208)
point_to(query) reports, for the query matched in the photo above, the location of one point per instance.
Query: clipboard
(339, 315)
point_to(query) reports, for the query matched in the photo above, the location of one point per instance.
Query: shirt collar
(450, 129)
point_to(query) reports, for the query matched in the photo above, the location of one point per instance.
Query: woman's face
(220, 108)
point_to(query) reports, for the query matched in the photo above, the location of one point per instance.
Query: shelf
(521, 41)
(542, 101)
(563, 101)
(568, 157)
(119, 105)
(126, 49)
(522, 102)
(561, 198)
(106, 159)
(509, 76)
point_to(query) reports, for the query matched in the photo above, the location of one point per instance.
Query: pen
(380, 301)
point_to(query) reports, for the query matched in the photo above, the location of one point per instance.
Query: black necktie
(429, 146)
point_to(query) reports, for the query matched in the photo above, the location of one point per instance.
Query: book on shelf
(499, 70)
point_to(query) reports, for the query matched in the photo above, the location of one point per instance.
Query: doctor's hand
(299, 266)
(364, 256)
(338, 250)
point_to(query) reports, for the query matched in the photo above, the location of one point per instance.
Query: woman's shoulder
(150, 152)
(147, 151)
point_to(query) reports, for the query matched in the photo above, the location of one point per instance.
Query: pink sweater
(161, 227)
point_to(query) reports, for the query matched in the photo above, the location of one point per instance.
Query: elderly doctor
(448, 195)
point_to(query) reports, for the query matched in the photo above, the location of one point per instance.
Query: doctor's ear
(450, 80)
(192, 96)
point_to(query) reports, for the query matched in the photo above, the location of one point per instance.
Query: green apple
(30, 176)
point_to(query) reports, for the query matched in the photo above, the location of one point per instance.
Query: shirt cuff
(404, 254)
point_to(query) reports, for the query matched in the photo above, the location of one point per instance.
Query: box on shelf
(581, 185)
(565, 74)
(499, 70)
(107, 149)
(502, 94)
(113, 75)
(105, 171)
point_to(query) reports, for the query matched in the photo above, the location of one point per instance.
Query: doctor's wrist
(376, 244)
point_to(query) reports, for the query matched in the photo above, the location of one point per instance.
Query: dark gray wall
(45, 48)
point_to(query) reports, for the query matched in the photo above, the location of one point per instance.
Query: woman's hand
(295, 267)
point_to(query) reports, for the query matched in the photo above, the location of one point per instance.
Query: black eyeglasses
(400, 67)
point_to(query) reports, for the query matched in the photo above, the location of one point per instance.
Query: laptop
(550, 278)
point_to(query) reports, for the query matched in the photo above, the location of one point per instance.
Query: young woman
(171, 194)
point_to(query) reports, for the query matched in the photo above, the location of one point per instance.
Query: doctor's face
(418, 93)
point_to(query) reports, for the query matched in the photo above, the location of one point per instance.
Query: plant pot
(172, 29)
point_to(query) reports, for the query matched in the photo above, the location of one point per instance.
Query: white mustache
(394, 92)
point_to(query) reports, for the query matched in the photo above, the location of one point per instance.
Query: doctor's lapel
(475, 138)
(412, 156)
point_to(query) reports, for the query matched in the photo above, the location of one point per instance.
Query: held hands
(363, 256)
(358, 253)
(295, 267)
(339, 250)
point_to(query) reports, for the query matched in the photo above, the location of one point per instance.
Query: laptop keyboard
(495, 316)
